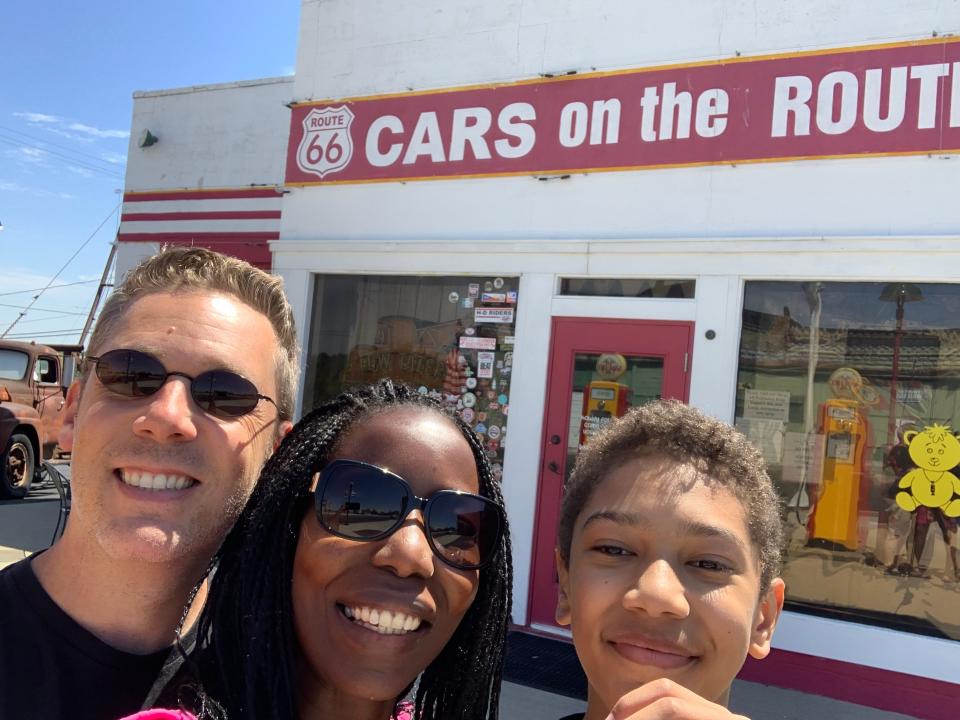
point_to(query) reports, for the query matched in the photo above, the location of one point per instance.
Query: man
(188, 386)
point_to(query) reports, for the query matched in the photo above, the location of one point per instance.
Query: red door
(594, 365)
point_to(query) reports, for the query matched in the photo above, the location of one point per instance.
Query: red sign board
(878, 100)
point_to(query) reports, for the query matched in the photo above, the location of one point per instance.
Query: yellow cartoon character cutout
(935, 451)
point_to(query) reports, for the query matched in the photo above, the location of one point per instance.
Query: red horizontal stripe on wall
(883, 689)
(214, 215)
(198, 237)
(203, 194)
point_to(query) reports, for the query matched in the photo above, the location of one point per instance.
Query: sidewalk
(760, 702)
(9, 555)
(545, 682)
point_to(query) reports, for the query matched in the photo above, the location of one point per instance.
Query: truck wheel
(17, 465)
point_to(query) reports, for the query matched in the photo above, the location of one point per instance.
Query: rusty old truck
(33, 388)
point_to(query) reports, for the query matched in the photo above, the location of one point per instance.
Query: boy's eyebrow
(687, 527)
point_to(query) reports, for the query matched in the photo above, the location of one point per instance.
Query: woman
(373, 552)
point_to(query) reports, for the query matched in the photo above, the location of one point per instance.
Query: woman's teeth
(155, 481)
(384, 622)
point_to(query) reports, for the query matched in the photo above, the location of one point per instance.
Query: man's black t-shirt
(51, 667)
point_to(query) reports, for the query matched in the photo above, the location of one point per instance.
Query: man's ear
(68, 429)
(765, 619)
(563, 599)
(285, 427)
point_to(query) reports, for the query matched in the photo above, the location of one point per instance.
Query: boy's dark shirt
(51, 667)
(575, 716)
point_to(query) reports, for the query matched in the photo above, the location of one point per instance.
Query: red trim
(216, 215)
(221, 194)
(186, 237)
(668, 339)
(911, 695)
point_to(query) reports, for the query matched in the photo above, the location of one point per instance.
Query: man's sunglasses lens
(139, 374)
(220, 392)
(361, 502)
(131, 373)
(463, 528)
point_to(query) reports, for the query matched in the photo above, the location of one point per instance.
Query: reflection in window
(628, 287)
(450, 337)
(852, 392)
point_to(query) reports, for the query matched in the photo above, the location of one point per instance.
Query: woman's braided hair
(249, 653)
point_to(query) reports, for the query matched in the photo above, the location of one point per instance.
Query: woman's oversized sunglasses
(134, 373)
(358, 501)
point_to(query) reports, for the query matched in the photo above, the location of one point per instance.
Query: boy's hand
(666, 700)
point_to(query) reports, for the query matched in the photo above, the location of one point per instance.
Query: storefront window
(852, 392)
(628, 287)
(450, 337)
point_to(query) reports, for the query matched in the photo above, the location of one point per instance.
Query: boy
(668, 555)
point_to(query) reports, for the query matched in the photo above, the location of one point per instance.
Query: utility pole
(96, 299)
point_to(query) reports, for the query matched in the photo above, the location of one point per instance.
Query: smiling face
(344, 590)
(663, 581)
(126, 448)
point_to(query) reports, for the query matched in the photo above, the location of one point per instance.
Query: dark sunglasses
(358, 501)
(134, 373)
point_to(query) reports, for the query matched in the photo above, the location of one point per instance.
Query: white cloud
(76, 127)
(38, 117)
(31, 155)
(82, 172)
(70, 135)
(6, 186)
(97, 132)
(114, 158)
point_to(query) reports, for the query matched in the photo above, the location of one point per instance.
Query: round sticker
(468, 400)
(453, 296)
(497, 470)
(492, 446)
(502, 399)
(480, 428)
(467, 414)
(422, 390)
(491, 395)
(471, 383)
(493, 432)
(505, 409)
(498, 283)
(493, 407)
(470, 331)
(482, 416)
(487, 286)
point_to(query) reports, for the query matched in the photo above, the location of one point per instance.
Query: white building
(754, 205)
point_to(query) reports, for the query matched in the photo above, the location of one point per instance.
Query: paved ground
(28, 525)
(755, 701)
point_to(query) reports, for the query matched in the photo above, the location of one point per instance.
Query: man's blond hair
(194, 269)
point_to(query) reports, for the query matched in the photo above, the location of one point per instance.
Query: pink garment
(404, 711)
(158, 714)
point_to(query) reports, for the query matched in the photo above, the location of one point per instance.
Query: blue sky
(69, 74)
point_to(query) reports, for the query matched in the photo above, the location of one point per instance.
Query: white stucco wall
(859, 219)
(210, 136)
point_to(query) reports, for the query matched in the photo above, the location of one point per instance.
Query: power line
(52, 144)
(64, 267)
(45, 333)
(49, 310)
(50, 287)
(79, 163)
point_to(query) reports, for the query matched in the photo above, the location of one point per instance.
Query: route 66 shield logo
(326, 145)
